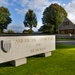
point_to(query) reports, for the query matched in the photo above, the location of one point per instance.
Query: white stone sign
(17, 48)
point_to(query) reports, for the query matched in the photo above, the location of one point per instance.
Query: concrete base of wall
(46, 54)
(21, 61)
(18, 62)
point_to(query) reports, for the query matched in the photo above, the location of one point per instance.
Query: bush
(28, 31)
(10, 31)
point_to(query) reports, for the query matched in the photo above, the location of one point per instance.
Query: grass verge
(64, 39)
(62, 62)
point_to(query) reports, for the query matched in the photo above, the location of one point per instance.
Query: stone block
(18, 62)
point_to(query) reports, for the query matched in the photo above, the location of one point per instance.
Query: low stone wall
(18, 48)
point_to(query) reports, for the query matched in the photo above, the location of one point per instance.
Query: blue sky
(18, 8)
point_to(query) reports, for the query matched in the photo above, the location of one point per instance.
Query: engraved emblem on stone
(5, 45)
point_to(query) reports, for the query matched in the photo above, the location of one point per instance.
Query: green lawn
(62, 62)
(65, 39)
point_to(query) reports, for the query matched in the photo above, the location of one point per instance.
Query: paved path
(66, 42)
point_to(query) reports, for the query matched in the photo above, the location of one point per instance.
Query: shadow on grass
(37, 56)
(7, 64)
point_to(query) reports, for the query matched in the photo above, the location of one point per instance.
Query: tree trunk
(2, 30)
(30, 27)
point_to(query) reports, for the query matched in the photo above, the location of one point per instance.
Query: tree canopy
(30, 19)
(4, 18)
(53, 16)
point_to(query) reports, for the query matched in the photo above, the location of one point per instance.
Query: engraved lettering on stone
(38, 44)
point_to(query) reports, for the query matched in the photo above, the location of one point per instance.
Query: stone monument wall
(17, 48)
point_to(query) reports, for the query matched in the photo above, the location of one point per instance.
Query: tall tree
(4, 18)
(30, 19)
(47, 28)
(54, 16)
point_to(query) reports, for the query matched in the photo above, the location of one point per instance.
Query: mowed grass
(62, 62)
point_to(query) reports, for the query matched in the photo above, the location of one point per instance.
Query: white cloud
(39, 5)
(56, 2)
(23, 2)
(4, 2)
(70, 8)
(36, 5)
(14, 0)
(21, 11)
